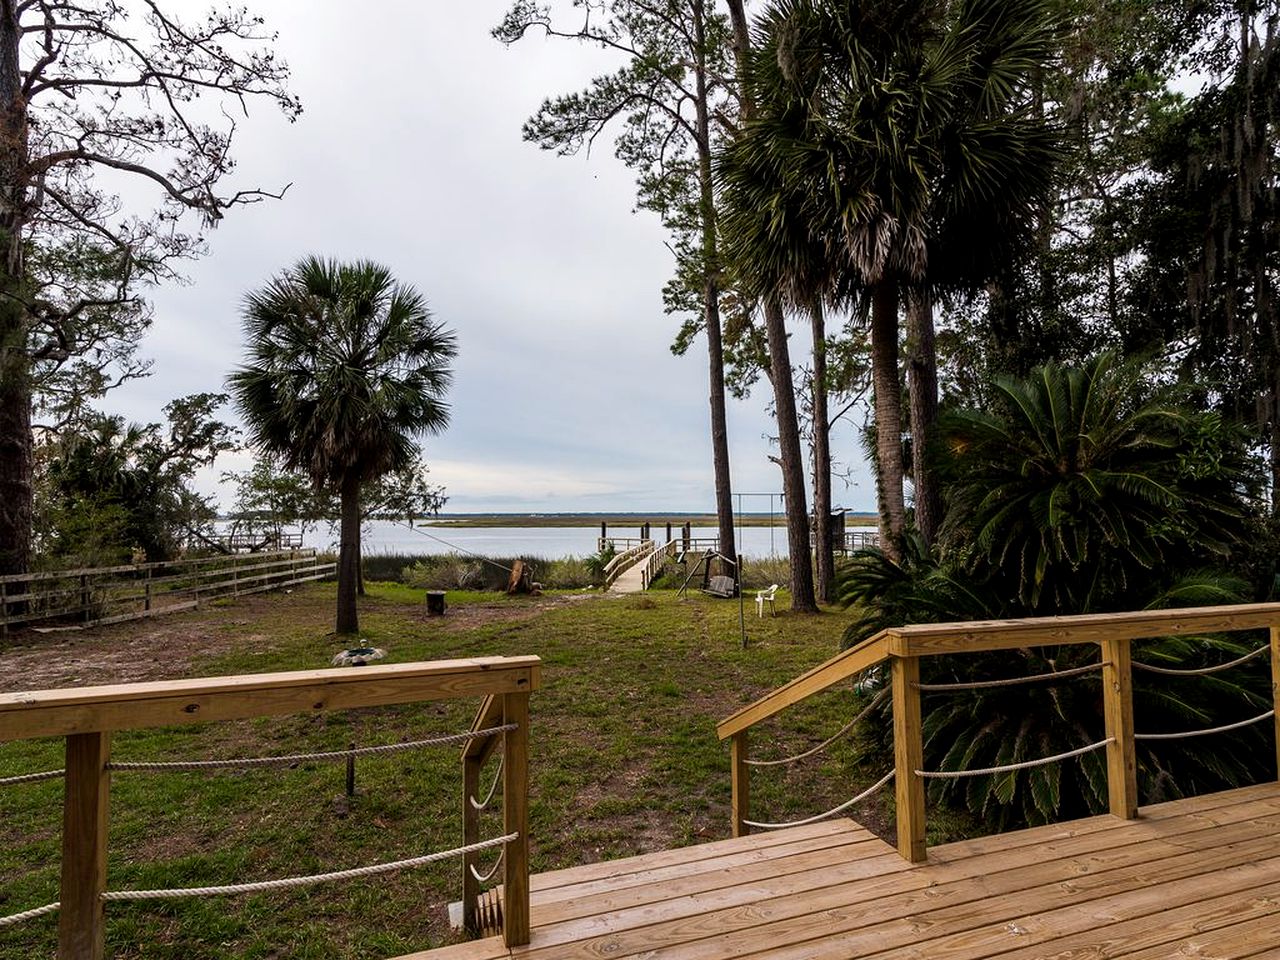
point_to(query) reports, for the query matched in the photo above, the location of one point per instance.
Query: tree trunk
(359, 569)
(792, 456)
(888, 404)
(711, 301)
(823, 547)
(922, 381)
(16, 453)
(349, 558)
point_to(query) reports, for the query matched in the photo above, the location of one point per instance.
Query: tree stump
(435, 603)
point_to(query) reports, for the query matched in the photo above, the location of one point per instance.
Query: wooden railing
(101, 595)
(903, 647)
(625, 561)
(656, 561)
(88, 716)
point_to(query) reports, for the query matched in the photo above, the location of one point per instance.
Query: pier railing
(902, 650)
(87, 717)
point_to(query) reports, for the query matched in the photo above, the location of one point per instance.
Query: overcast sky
(566, 395)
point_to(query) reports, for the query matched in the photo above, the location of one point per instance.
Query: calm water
(552, 542)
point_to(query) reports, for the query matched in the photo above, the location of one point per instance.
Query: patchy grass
(624, 761)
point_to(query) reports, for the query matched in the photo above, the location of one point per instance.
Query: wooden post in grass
(84, 598)
(1117, 709)
(908, 752)
(740, 776)
(84, 846)
(470, 835)
(515, 817)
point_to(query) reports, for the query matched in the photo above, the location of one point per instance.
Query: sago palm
(345, 370)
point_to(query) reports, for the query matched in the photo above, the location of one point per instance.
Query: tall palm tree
(883, 132)
(345, 369)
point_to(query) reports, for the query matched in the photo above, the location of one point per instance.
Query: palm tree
(345, 369)
(883, 132)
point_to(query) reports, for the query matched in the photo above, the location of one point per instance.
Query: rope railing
(1205, 732)
(1011, 767)
(875, 702)
(497, 776)
(1011, 681)
(304, 881)
(829, 813)
(332, 756)
(488, 875)
(29, 914)
(1202, 671)
(32, 777)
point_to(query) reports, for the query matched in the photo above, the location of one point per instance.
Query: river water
(549, 542)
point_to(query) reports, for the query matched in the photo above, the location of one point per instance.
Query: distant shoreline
(619, 522)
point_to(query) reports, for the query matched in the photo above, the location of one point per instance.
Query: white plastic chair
(766, 596)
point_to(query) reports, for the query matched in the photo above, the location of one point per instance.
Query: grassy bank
(624, 760)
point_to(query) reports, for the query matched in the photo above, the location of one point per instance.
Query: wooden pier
(1192, 878)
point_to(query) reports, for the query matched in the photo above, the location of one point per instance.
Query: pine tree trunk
(792, 455)
(823, 547)
(711, 301)
(888, 406)
(922, 381)
(16, 453)
(348, 620)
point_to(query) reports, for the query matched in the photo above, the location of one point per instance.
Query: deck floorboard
(1191, 878)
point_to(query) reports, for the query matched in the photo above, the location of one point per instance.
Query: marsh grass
(624, 761)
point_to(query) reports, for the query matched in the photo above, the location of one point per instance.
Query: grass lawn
(624, 760)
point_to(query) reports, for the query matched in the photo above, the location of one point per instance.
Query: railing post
(84, 598)
(4, 611)
(515, 815)
(908, 754)
(146, 600)
(1275, 689)
(1117, 709)
(740, 776)
(470, 835)
(84, 846)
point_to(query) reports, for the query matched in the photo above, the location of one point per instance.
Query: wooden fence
(99, 595)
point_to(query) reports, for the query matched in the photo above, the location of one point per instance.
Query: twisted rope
(875, 702)
(32, 777)
(830, 813)
(480, 805)
(329, 757)
(28, 914)
(289, 882)
(1203, 733)
(485, 878)
(1010, 767)
(1202, 671)
(1012, 681)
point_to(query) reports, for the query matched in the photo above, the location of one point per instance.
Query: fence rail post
(470, 835)
(515, 815)
(908, 752)
(84, 846)
(84, 598)
(1117, 708)
(740, 775)
(1275, 689)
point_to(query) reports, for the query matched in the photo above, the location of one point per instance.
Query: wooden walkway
(1192, 878)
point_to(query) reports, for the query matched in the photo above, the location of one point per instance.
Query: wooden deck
(1192, 878)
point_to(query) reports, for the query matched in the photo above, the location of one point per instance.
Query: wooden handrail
(128, 706)
(88, 716)
(975, 636)
(903, 647)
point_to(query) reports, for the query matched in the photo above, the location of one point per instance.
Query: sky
(566, 396)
